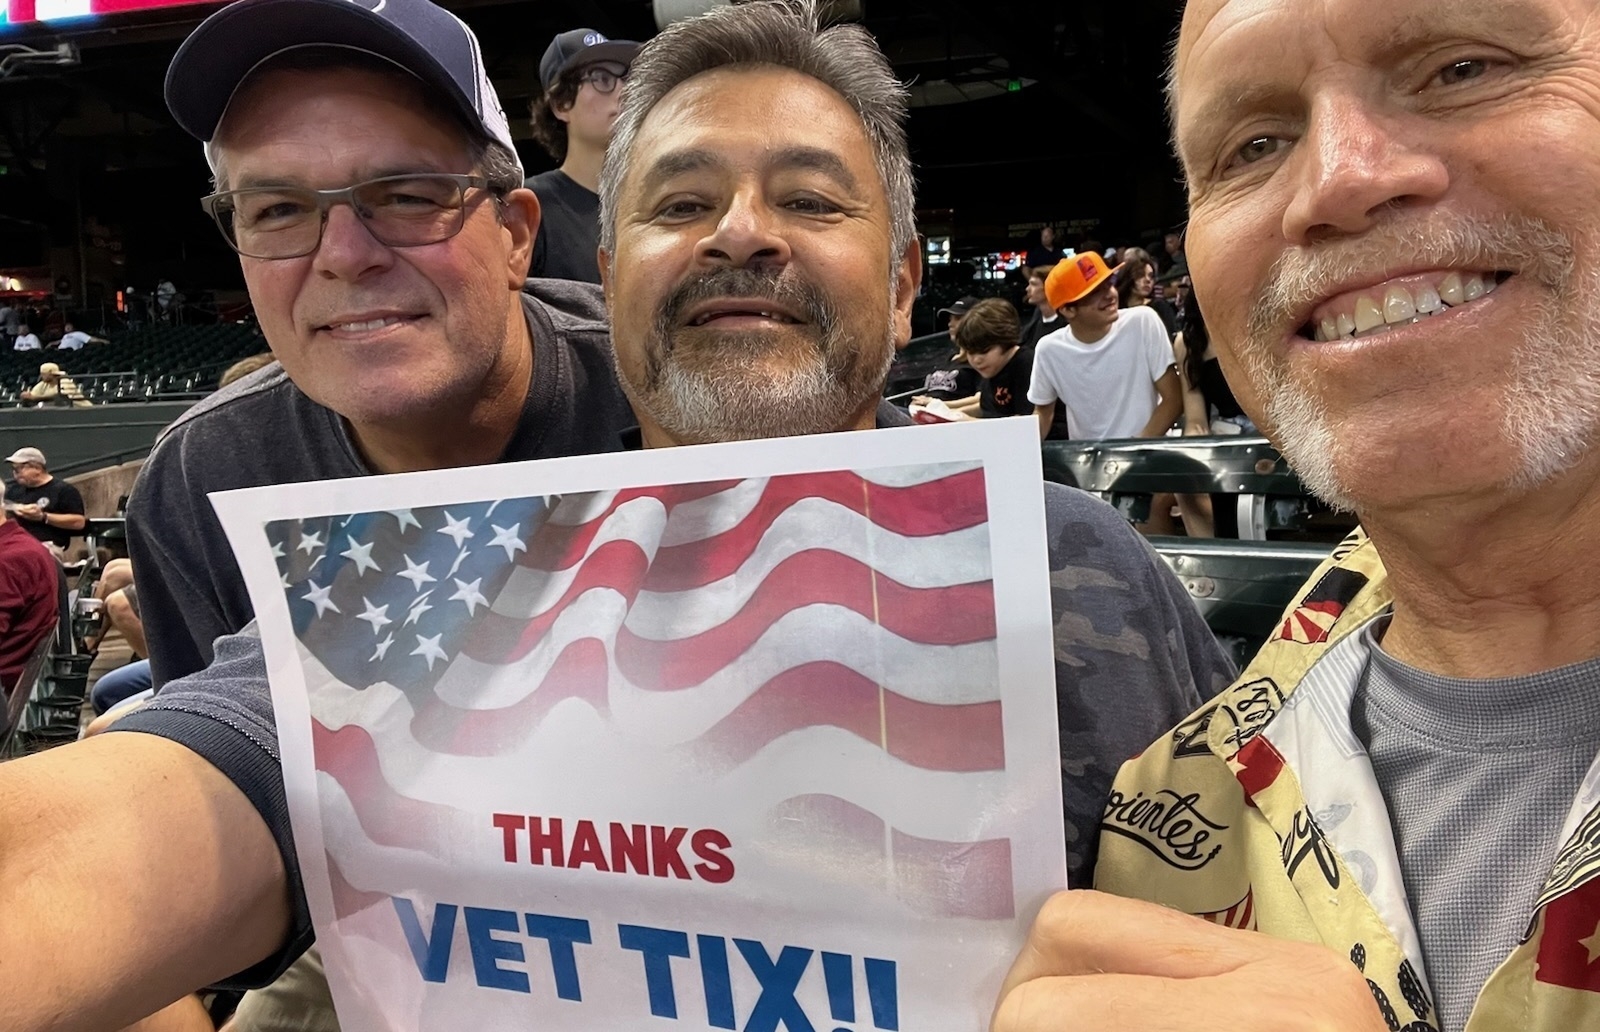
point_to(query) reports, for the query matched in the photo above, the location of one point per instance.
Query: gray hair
(785, 34)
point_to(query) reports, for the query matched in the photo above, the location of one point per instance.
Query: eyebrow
(281, 182)
(813, 159)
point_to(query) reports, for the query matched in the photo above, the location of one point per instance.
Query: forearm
(1165, 415)
(129, 857)
(66, 520)
(965, 405)
(1047, 418)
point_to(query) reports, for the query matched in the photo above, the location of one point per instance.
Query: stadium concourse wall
(97, 449)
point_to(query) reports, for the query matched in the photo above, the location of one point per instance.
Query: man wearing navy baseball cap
(364, 174)
(581, 74)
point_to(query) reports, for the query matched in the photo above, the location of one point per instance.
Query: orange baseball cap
(1075, 278)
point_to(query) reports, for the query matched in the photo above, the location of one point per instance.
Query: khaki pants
(297, 1002)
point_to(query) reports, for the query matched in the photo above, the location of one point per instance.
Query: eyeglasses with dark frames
(603, 77)
(280, 222)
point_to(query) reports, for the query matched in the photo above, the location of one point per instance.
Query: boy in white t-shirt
(1112, 369)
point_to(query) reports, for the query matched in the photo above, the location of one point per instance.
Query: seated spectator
(988, 341)
(1043, 320)
(26, 340)
(49, 509)
(54, 388)
(1112, 367)
(30, 606)
(123, 683)
(957, 383)
(74, 339)
(1136, 286)
(1208, 409)
(244, 367)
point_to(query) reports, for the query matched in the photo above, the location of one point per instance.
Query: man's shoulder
(576, 310)
(240, 404)
(1085, 529)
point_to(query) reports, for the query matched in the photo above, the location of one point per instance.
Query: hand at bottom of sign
(1094, 961)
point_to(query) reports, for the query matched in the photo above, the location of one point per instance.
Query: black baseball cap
(580, 47)
(960, 307)
(416, 36)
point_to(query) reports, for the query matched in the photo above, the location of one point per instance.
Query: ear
(562, 109)
(519, 217)
(907, 282)
(603, 258)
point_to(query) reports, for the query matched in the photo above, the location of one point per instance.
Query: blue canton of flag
(391, 596)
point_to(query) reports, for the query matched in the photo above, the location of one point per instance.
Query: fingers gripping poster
(755, 736)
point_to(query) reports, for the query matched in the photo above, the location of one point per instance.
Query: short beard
(1552, 405)
(731, 394)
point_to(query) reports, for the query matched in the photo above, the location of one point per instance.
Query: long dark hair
(1196, 340)
(1135, 260)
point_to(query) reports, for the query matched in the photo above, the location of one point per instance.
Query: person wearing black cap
(581, 73)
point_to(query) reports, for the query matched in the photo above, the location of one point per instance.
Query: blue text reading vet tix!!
(496, 957)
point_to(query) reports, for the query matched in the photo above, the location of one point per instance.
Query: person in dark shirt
(29, 599)
(988, 340)
(1136, 286)
(1043, 253)
(1043, 320)
(582, 73)
(49, 509)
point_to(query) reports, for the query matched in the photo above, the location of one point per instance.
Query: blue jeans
(121, 683)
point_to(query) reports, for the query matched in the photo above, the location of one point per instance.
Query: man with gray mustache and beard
(1394, 234)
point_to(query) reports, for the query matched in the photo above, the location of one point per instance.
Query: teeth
(1428, 300)
(361, 327)
(1398, 306)
(1346, 325)
(1368, 314)
(1450, 290)
(1328, 330)
(1489, 283)
(1472, 287)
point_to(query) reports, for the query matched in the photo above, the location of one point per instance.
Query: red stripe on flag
(579, 672)
(960, 614)
(922, 510)
(387, 818)
(925, 735)
(347, 899)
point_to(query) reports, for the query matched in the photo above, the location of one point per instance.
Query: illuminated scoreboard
(42, 12)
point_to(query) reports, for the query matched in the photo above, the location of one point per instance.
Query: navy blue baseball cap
(416, 36)
(580, 47)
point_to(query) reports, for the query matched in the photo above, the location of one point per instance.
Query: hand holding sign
(1105, 962)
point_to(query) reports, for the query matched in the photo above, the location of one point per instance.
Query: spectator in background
(74, 339)
(244, 367)
(30, 599)
(1043, 320)
(988, 341)
(8, 320)
(1208, 409)
(1044, 252)
(1112, 367)
(582, 73)
(167, 300)
(26, 340)
(1174, 287)
(1172, 243)
(54, 388)
(49, 509)
(1136, 286)
(957, 383)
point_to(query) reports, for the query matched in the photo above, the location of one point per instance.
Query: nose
(348, 250)
(1354, 165)
(747, 235)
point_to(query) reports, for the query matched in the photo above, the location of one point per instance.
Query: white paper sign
(753, 736)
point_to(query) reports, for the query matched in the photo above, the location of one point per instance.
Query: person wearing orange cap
(1112, 369)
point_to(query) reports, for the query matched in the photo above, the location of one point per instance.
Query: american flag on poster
(710, 618)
